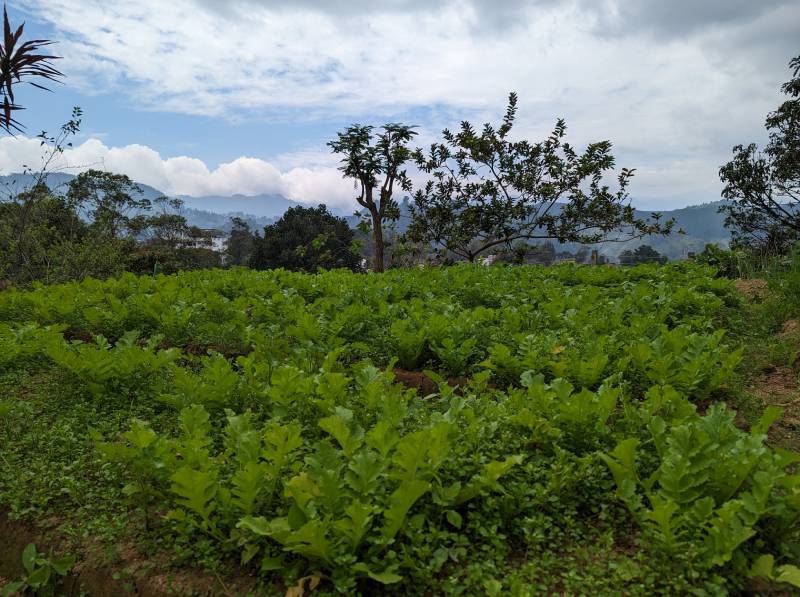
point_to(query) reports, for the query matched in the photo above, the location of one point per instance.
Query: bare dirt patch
(754, 289)
(791, 329)
(93, 575)
(779, 387)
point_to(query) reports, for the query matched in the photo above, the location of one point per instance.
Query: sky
(213, 97)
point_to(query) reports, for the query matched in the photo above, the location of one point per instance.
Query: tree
(583, 255)
(165, 226)
(112, 202)
(20, 62)
(487, 190)
(240, 242)
(763, 188)
(543, 254)
(375, 162)
(306, 239)
(642, 254)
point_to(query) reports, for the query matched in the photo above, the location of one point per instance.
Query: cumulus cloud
(182, 175)
(669, 83)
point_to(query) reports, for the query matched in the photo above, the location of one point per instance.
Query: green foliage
(641, 254)
(305, 239)
(488, 191)
(255, 418)
(713, 486)
(375, 162)
(761, 188)
(41, 573)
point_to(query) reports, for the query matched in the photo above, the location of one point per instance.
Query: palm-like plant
(19, 61)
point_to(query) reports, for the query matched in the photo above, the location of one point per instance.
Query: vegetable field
(463, 430)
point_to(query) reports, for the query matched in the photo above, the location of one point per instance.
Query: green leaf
(12, 588)
(63, 565)
(770, 415)
(454, 518)
(270, 563)
(247, 483)
(387, 577)
(339, 426)
(763, 566)
(29, 557)
(195, 491)
(257, 525)
(357, 523)
(39, 577)
(364, 472)
(789, 574)
(401, 500)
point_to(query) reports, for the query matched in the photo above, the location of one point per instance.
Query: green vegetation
(305, 239)
(763, 188)
(237, 420)
(41, 573)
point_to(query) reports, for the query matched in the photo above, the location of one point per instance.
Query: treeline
(486, 192)
(99, 227)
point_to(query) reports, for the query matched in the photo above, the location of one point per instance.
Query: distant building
(206, 238)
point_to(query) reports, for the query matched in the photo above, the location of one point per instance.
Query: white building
(206, 238)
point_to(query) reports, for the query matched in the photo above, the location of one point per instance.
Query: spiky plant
(21, 61)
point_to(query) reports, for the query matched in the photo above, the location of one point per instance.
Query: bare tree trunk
(377, 236)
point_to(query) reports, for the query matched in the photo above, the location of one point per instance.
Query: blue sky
(204, 97)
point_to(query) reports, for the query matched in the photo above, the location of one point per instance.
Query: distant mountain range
(702, 223)
(203, 212)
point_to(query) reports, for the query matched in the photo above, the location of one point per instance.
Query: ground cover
(453, 430)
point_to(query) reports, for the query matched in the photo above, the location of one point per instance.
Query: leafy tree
(43, 239)
(375, 162)
(111, 201)
(240, 242)
(305, 239)
(544, 253)
(642, 254)
(21, 61)
(763, 188)
(166, 225)
(487, 190)
(583, 255)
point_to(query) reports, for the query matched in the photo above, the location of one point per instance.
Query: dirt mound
(790, 329)
(780, 387)
(753, 289)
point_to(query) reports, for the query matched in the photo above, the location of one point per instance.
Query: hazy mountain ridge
(702, 223)
(13, 184)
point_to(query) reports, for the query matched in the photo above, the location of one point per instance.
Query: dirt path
(778, 384)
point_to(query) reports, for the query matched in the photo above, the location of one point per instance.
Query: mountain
(203, 212)
(264, 206)
(702, 223)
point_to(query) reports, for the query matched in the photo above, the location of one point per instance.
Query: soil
(92, 575)
(780, 386)
(755, 289)
(417, 380)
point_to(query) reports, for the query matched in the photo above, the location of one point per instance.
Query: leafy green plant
(712, 488)
(41, 573)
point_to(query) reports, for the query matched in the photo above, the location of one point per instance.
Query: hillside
(702, 223)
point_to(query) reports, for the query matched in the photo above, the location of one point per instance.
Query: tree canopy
(305, 239)
(487, 190)
(641, 254)
(763, 187)
(375, 162)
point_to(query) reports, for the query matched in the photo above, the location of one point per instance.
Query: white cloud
(672, 84)
(184, 175)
